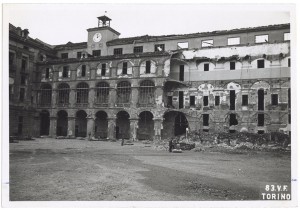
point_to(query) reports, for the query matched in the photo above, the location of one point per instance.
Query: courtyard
(47, 169)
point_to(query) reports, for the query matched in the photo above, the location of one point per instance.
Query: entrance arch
(122, 125)
(80, 124)
(101, 125)
(174, 124)
(44, 123)
(145, 130)
(62, 123)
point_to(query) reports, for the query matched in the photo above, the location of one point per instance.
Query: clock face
(97, 37)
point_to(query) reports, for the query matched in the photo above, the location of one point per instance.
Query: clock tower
(97, 37)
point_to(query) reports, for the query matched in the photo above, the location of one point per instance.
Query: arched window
(102, 91)
(63, 91)
(123, 92)
(45, 95)
(82, 94)
(146, 93)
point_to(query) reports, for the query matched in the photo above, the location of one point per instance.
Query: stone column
(71, 126)
(90, 127)
(111, 133)
(72, 98)
(134, 96)
(112, 97)
(133, 128)
(159, 97)
(91, 97)
(52, 129)
(158, 125)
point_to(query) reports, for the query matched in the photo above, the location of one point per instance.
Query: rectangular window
(232, 100)
(206, 67)
(289, 62)
(244, 100)
(96, 53)
(182, 45)
(260, 132)
(205, 119)
(79, 54)
(260, 120)
(118, 51)
(64, 55)
(159, 47)
(287, 37)
(103, 69)
(217, 100)
(148, 67)
(205, 100)
(181, 102)
(22, 94)
(233, 41)
(207, 43)
(274, 99)
(181, 73)
(261, 64)
(138, 49)
(232, 65)
(24, 63)
(83, 70)
(261, 38)
(124, 69)
(289, 119)
(23, 79)
(65, 72)
(192, 100)
(170, 102)
(47, 73)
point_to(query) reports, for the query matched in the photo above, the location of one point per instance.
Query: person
(122, 142)
(170, 145)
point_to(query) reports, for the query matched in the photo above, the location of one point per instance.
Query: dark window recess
(261, 99)
(289, 119)
(138, 49)
(22, 94)
(205, 100)
(83, 70)
(232, 65)
(260, 120)
(20, 125)
(25, 48)
(289, 97)
(97, 53)
(23, 80)
(192, 100)
(159, 47)
(118, 51)
(180, 99)
(79, 54)
(170, 102)
(274, 99)
(232, 100)
(232, 120)
(244, 100)
(24, 63)
(11, 58)
(289, 62)
(64, 55)
(47, 73)
(206, 67)
(65, 72)
(103, 69)
(260, 132)
(181, 73)
(124, 69)
(148, 67)
(260, 64)
(205, 119)
(217, 100)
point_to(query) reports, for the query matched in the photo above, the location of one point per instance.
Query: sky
(61, 23)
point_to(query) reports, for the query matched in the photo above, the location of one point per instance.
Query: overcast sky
(60, 23)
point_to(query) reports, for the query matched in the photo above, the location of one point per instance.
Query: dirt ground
(69, 170)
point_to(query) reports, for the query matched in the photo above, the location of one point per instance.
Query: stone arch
(143, 64)
(123, 92)
(81, 123)
(123, 125)
(174, 124)
(101, 124)
(63, 94)
(45, 95)
(145, 129)
(44, 122)
(102, 93)
(103, 69)
(266, 62)
(260, 84)
(146, 93)
(82, 93)
(62, 123)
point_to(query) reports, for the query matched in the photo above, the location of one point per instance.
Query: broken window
(182, 45)
(47, 73)
(261, 99)
(118, 51)
(274, 99)
(159, 47)
(22, 94)
(64, 55)
(181, 73)
(205, 119)
(83, 70)
(103, 69)
(232, 100)
(287, 36)
(244, 100)
(260, 63)
(289, 62)
(217, 100)
(180, 105)
(206, 67)
(205, 100)
(124, 68)
(123, 92)
(23, 80)
(148, 67)
(192, 101)
(260, 120)
(45, 95)
(24, 63)
(82, 93)
(63, 91)
(79, 54)
(261, 38)
(146, 93)
(170, 101)
(96, 53)
(65, 72)
(207, 43)
(232, 65)
(102, 93)
(138, 49)
(233, 41)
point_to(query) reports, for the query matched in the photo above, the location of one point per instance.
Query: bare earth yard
(69, 170)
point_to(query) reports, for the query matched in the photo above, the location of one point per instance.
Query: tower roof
(104, 18)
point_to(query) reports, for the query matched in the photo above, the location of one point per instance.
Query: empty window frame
(207, 43)
(233, 41)
(206, 67)
(192, 101)
(79, 54)
(65, 73)
(182, 45)
(205, 100)
(261, 64)
(103, 69)
(181, 73)
(83, 70)
(138, 49)
(23, 79)
(287, 36)
(205, 119)
(102, 93)
(148, 67)
(47, 73)
(22, 94)
(261, 38)
(260, 120)
(124, 68)
(64, 55)
(232, 65)
(159, 47)
(217, 100)
(63, 92)
(45, 95)
(146, 92)
(244, 100)
(123, 92)
(96, 53)
(232, 100)
(118, 51)
(261, 99)
(274, 99)
(24, 63)
(82, 93)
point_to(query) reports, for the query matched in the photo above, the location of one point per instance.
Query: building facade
(154, 87)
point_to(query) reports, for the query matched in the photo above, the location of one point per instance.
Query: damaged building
(152, 87)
